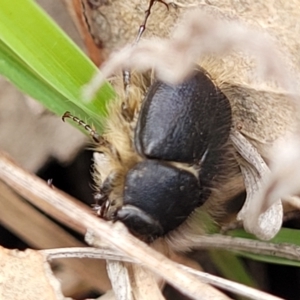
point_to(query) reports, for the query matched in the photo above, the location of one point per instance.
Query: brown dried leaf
(26, 275)
(84, 19)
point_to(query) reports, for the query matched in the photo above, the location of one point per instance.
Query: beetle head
(157, 198)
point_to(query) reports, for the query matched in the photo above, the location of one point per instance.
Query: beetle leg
(103, 202)
(125, 110)
(142, 28)
(147, 14)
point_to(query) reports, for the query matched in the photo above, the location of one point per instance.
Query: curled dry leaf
(262, 220)
(285, 177)
(27, 275)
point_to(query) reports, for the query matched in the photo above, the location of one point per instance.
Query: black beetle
(159, 159)
(178, 141)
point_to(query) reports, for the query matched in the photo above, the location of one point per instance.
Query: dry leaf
(87, 24)
(26, 275)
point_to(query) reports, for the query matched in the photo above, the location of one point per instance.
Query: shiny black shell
(186, 123)
(180, 122)
(166, 194)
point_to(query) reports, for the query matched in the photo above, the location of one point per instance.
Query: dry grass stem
(215, 241)
(120, 280)
(65, 210)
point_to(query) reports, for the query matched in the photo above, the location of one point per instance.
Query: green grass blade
(231, 267)
(33, 43)
(14, 69)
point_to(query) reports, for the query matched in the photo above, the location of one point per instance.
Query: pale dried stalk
(215, 241)
(230, 286)
(145, 286)
(120, 280)
(71, 214)
(86, 252)
(138, 283)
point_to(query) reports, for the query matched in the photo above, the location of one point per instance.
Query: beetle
(164, 151)
(154, 169)
(261, 111)
(180, 134)
(128, 142)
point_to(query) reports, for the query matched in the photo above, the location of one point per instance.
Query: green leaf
(18, 73)
(38, 57)
(232, 268)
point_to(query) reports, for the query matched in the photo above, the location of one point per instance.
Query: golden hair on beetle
(118, 155)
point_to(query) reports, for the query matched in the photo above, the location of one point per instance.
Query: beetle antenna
(96, 137)
(142, 28)
(147, 14)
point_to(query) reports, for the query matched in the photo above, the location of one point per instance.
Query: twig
(217, 241)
